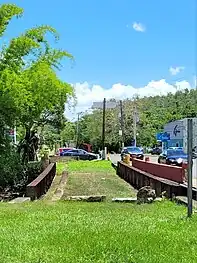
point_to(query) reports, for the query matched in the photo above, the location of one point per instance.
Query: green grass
(79, 232)
(68, 232)
(95, 178)
(60, 167)
(90, 166)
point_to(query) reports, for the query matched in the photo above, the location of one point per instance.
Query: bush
(11, 169)
(33, 169)
(13, 175)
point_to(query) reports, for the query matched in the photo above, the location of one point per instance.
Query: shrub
(11, 170)
(13, 175)
(33, 169)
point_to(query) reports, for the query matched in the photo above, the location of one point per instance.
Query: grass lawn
(69, 232)
(95, 178)
(79, 232)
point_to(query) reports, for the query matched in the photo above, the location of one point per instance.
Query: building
(178, 133)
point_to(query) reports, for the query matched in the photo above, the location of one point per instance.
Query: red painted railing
(173, 173)
(41, 184)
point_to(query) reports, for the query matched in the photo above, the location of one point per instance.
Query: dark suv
(156, 151)
(134, 152)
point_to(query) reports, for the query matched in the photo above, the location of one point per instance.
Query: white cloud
(87, 94)
(139, 27)
(176, 70)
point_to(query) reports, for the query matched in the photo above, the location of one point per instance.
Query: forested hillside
(154, 112)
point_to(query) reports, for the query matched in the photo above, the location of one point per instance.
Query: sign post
(189, 169)
(122, 124)
(103, 130)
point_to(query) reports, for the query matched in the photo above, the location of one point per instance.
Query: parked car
(141, 148)
(194, 153)
(135, 152)
(175, 148)
(81, 154)
(173, 157)
(62, 150)
(156, 151)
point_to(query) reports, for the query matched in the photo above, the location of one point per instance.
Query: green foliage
(12, 171)
(29, 85)
(68, 133)
(32, 170)
(7, 11)
(154, 113)
(14, 175)
(31, 94)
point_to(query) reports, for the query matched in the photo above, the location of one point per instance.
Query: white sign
(120, 132)
(175, 129)
(109, 105)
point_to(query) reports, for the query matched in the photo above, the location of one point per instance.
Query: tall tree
(28, 80)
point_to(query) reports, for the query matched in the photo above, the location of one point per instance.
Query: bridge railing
(41, 184)
(173, 173)
(139, 178)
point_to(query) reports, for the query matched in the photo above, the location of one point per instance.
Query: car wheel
(168, 163)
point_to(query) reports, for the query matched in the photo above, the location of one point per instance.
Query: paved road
(116, 157)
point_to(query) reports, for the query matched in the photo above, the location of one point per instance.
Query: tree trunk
(28, 146)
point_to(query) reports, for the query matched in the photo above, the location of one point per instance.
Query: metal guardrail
(41, 184)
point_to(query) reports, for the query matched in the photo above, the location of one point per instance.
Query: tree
(68, 134)
(28, 80)
(154, 113)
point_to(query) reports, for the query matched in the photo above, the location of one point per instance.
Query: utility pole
(122, 123)
(77, 139)
(103, 130)
(135, 125)
(189, 169)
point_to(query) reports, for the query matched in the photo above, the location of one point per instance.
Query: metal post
(189, 169)
(122, 123)
(103, 130)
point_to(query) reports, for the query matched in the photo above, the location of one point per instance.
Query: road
(116, 157)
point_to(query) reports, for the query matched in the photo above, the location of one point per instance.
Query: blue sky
(107, 49)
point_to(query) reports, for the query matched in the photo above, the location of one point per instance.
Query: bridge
(162, 178)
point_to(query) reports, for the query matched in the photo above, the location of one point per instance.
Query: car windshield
(175, 152)
(134, 149)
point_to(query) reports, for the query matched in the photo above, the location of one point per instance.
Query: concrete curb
(60, 189)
